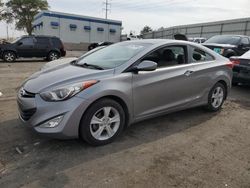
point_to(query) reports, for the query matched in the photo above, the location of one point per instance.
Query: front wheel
(102, 122)
(9, 56)
(216, 97)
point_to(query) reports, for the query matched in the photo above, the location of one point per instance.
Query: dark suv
(229, 45)
(47, 47)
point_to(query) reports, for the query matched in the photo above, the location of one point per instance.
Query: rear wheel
(9, 56)
(216, 97)
(53, 56)
(102, 122)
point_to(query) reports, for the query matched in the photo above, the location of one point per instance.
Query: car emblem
(22, 92)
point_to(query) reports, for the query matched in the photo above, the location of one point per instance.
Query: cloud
(135, 14)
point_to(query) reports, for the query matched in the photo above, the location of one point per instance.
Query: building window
(112, 31)
(54, 25)
(73, 27)
(100, 29)
(87, 28)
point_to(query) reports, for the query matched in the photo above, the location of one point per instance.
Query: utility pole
(106, 9)
(7, 30)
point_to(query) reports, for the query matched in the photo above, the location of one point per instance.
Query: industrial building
(205, 30)
(75, 29)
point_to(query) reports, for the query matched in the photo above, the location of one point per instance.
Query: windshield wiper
(94, 66)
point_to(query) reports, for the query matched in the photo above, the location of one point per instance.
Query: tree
(1, 9)
(22, 12)
(146, 29)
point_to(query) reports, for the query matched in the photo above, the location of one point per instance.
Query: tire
(9, 56)
(216, 97)
(98, 129)
(53, 56)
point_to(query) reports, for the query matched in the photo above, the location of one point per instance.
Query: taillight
(62, 46)
(235, 62)
(230, 65)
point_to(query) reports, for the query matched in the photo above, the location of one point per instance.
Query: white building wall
(79, 35)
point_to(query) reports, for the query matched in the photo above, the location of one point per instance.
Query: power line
(106, 9)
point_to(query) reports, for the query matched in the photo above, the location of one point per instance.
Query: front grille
(26, 94)
(27, 114)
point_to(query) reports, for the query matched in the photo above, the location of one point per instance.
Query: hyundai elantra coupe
(99, 94)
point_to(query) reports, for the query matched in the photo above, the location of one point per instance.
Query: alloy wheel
(9, 56)
(53, 56)
(217, 97)
(105, 123)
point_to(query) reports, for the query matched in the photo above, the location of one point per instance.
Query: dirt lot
(191, 148)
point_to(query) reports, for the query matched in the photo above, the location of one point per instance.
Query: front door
(25, 47)
(167, 87)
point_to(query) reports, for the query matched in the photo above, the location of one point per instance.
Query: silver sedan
(99, 94)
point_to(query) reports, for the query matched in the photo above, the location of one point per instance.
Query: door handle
(188, 72)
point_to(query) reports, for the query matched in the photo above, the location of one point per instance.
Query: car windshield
(234, 40)
(112, 56)
(14, 41)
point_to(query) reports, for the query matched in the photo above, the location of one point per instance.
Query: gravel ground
(192, 148)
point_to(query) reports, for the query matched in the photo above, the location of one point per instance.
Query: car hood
(58, 63)
(4, 45)
(61, 75)
(219, 45)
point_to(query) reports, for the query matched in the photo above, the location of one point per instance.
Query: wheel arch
(224, 83)
(10, 50)
(118, 100)
(54, 50)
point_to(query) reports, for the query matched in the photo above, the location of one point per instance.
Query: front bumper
(33, 112)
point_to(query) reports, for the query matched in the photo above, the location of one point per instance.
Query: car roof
(40, 36)
(162, 42)
(233, 35)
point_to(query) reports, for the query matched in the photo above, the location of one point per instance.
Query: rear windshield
(233, 40)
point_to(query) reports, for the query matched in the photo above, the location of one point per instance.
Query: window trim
(188, 58)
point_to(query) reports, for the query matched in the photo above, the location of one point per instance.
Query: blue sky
(156, 13)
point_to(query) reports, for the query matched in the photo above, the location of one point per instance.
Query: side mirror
(146, 66)
(19, 43)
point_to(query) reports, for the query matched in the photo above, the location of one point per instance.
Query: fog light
(52, 123)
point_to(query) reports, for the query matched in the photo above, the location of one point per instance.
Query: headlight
(66, 92)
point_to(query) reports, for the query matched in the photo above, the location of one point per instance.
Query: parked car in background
(95, 45)
(47, 47)
(241, 70)
(197, 40)
(96, 96)
(229, 45)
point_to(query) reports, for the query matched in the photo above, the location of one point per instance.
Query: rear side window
(245, 41)
(56, 42)
(42, 40)
(199, 55)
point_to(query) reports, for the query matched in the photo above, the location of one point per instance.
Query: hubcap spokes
(105, 123)
(53, 56)
(9, 57)
(217, 97)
